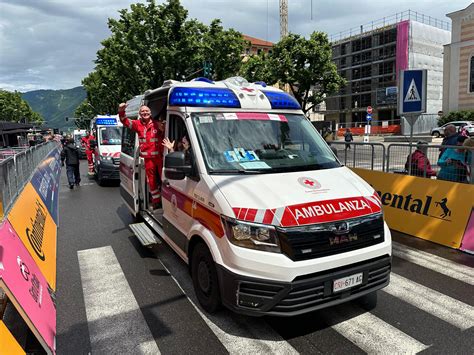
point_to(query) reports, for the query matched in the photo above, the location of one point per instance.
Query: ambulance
(106, 156)
(255, 202)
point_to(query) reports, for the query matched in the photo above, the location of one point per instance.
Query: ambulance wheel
(369, 301)
(100, 178)
(204, 275)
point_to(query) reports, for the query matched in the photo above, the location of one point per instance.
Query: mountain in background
(55, 105)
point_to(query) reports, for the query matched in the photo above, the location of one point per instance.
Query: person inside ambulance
(150, 136)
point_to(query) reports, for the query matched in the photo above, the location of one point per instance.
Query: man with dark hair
(70, 154)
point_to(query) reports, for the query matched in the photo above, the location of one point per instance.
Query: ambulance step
(144, 234)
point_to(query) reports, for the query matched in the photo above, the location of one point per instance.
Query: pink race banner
(403, 31)
(467, 244)
(26, 287)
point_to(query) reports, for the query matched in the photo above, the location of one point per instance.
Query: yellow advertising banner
(35, 227)
(434, 210)
(9, 344)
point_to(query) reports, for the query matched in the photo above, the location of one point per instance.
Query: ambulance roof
(106, 120)
(235, 92)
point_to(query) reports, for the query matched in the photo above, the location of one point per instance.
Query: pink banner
(26, 287)
(403, 31)
(468, 240)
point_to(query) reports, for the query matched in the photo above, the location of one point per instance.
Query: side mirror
(92, 143)
(175, 168)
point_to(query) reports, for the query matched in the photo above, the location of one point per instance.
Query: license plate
(347, 282)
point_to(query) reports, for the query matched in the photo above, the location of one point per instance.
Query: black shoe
(71, 186)
(78, 183)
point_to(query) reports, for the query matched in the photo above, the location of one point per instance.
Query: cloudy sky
(51, 44)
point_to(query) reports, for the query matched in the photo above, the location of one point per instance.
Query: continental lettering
(406, 203)
(35, 232)
(330, 208)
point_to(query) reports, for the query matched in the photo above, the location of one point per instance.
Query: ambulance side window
(128, 141)
(179, 134)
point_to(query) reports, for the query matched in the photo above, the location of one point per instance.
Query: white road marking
(116, 323)
(239, 334)
(435, 263)
(450, 310)
(374, 336)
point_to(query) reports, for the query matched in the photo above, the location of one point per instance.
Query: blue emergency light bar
(282, 100)
(105, 121)
(203, 97)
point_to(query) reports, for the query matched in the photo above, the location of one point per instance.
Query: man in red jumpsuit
(86, 143)
(150, 136)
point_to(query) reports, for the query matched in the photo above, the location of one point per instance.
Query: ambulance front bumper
(259, 297)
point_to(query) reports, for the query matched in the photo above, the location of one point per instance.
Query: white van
(106, 157)
(265, 215)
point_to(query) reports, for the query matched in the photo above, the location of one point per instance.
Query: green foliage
(305, 65)
(14, 108)
(84, 114)
(55, 105)
(152, 43)
(456, 116)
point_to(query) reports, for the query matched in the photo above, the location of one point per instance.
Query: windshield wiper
(236, 171)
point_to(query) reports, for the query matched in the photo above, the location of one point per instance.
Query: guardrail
(391, 158)
(16, 167)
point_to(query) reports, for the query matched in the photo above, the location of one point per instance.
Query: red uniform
(86, 142)
(151, 149)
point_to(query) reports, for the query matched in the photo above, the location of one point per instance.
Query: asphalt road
(114, 296)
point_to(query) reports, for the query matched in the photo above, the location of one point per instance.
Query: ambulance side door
(178, 194)
(129, 174)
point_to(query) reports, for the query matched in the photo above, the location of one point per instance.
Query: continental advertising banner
(8, 342)
(45, 180)
(37, 230)
(25, 286)
(429, 209)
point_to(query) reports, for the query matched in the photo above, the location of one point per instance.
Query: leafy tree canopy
(151, 43)
(456, 116)
(14, 109)
(304, 65)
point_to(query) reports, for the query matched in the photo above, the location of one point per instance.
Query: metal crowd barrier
(392, 158)
(16, 167)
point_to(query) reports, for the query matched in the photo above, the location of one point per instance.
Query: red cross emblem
(308, 182)
(247, 89)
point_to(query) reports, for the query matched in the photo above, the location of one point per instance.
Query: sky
(51, 44)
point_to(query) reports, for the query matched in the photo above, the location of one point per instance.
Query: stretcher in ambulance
(253, 199)
(106, 157)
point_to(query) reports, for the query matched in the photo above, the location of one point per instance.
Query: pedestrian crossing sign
(412, 91)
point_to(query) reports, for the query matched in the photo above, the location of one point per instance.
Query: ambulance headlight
(251, 235)
(105, 158)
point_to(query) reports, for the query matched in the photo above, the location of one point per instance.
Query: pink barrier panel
(467, 244)
(27, 288)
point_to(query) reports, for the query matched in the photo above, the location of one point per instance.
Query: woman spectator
(452, 163)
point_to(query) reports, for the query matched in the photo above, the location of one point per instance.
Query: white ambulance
(107, 130)
(254, 200)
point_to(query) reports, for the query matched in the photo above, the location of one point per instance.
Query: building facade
(458, 81)
(371, 57)
(257, 46)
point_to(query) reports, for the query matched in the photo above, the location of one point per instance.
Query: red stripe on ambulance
(312, 212)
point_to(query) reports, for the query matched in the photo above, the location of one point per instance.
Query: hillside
(55, 105)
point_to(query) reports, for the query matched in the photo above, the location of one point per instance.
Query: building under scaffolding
(370, 58)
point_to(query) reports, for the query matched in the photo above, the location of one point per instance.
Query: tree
(305, 65)
(84, 114)
(151, 43)
(456, 116)
(14, 109)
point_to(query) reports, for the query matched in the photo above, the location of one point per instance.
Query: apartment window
(366, 71)
(471, 75)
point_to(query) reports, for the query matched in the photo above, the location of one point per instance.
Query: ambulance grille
(299, 244)
(317, 291)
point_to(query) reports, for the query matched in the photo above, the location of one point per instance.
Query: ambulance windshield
(260, 143)
(110, 135)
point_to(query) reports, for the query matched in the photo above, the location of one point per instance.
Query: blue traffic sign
(412, 92)
(368, 117)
